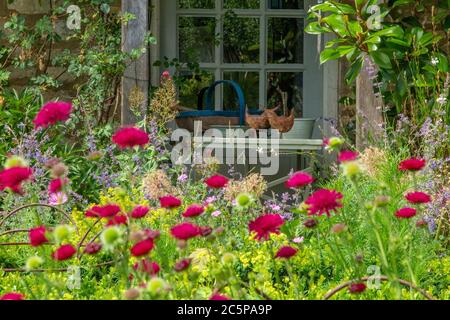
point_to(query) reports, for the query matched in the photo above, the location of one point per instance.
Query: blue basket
(209, 116)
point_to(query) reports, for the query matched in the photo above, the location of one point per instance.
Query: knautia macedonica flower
(216, 182)
(412, 164)
(92, 248)
(299, 179)
(185, 231)
(169, 202)
(264, 225)
(217, 296)
(182, 265)
(64, 252)
(347, 155)
(130, 137)
(406, 213)
(51, 113)
(193, 210)
(357, 287)
(13, 178)
(117, 220)
(37, 236)
(417, 197)
(147, 266)
(139, 212)
(106, 211)
(324, 201)
(244, 199)
(286, 252)
(12, 296)
(142, 248)
(310, 223)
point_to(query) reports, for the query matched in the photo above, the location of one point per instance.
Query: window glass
(241, 4)
(285, 40)
(249, 82)
(196, 4)
(196, 39)
(191, 87)
(282, 83)
(285, 4)
(240, 39)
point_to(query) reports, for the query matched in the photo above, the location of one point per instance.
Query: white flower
(434, 61)
(298, 239)
(442, 100)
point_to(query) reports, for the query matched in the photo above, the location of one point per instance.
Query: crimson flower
(12, 296)
(412, 164)
(347, 155)
(64, 252)
(299, 179)
(37, 236)
(93, 248)
(406, 213)
(142, 248)
(323, 201)
(357, 287)
(310, 223)
(218, 296)
(182, 265)
(216, 182)
(193, 211)
(205, 231)
(185, 231)
(139, 212)
(265, 225)
(51, 113)
(106, 211)
(130, 137)
(13, 178)
(418, 197)
(169, 202)
(56, 185)
(147, 266)
(286, 252)
(116, 220)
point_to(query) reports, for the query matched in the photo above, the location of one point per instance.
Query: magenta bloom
(347, 155)
(12, 296)
(169, 202)
(406, 213)
(106, 211)
(64, 252)
(265, 225)
(146, 266)
(56, 185)
(323, 201)
(13, 178)
(185, 231)
(119, 219)
(51, 113)
(93, 248)
(357, 287)
(412, 164)
(182, 265)
(37, 236)
(299, 179)
(142, 248)
(216, 182)
(286, 252)
(130, 137)
(139, 212)
(217, 296)
(418, 197)
(193, 211)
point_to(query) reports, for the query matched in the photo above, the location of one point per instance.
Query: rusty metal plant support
(405, 283)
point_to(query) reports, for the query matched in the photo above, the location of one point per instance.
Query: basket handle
(200, 98)
(240, 95)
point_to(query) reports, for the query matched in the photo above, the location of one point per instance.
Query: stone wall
(33, 10)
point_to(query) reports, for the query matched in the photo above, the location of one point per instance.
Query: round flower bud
(59, 170)
(33, 263)
(15, 161)
(111, 237)
(338, 228)
(243, 199)
(228, 258)
(62, 232)
(156, 286)
(132, 294)
(94, 156)
(351, 168)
